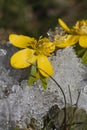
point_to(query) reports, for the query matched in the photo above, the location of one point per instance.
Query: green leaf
(51, 119)
(82, 53)
(84, 58)
(76, 118)
(80, 120)
(79, 50)
(33, 75)
(34, 125)
(43, 82)
(16, 128)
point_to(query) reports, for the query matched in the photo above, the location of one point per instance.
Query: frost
(69, 73)
(2, 52)
(19, 102)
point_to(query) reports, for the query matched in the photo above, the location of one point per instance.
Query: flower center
(84, 29)
(81, 27)
(43, 47)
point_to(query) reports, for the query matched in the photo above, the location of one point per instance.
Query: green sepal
(33, 74)
(43, 82)
(84, 58)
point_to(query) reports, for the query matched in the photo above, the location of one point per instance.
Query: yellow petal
(20, 41)
(50, 46)
(44, 66)
(83, 41)
(63, 25)
(23, 58)
(68, 41)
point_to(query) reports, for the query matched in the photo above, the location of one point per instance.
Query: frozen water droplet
(85, 89)
(2, 52)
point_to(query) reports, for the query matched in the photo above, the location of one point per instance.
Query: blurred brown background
(35, 17)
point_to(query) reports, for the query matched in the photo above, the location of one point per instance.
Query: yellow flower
(63, 25)
(79, 30)
(66, 40)
(32, 51)
(81, 27)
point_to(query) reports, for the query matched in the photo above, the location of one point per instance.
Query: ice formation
(69, 73)
(19, 102)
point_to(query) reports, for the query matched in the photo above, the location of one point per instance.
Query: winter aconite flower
(79, 30)
(65, 40)
(32, 51)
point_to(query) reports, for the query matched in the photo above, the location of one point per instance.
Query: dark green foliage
(82, 53)
(25, 17)
(34, 18)
(76, 119)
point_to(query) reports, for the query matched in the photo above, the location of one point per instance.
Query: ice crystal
(58, 30)
(69, 73)
(19, 102)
